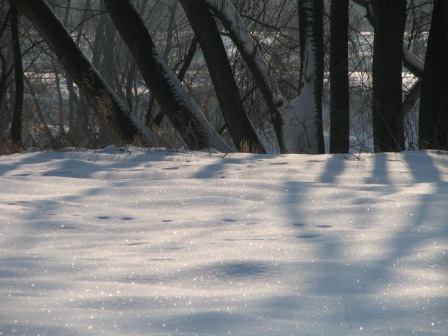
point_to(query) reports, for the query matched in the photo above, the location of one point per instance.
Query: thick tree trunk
(110, 109)
(16, 127)
(433, 121)
(339, 89)
(182, 72)
(241, 129)
(414, 64)
(238, 32)
(297, 123)
(309, 101)
(390, 18)
(410, 60)
(191, 124)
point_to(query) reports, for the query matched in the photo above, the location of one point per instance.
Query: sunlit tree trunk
(311, 77)
(181, 75)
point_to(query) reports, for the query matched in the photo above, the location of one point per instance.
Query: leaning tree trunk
(296, 129)
(388, 128)
(107, 105)
(240, 128)
(339, 89)
(172, 97)
(180, 76)
(257, 64)
(433, 120)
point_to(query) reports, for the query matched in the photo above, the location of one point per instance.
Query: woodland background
(82, 73)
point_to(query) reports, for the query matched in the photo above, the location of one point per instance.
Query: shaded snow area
(138, 242)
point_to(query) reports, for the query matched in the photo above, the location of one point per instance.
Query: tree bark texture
(3, 62)
(433, 120)
(390, 18)
(255, 61)
(312, 66)
(240, 127)
(16, 127)
(194, 129)
(339, 82)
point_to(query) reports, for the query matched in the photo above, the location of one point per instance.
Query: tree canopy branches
(252, 76)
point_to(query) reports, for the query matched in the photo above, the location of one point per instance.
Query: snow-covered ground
(143, 242)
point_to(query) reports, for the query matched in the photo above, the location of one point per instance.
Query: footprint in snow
(278, 163)
(308, 235)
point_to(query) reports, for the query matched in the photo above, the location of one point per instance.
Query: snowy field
(143, 242)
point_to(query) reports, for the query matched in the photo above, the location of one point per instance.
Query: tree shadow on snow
(357, 281)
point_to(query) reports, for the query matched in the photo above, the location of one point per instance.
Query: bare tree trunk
(157, 121)
(3, 73)
(107, 105)
(339, 89)
(234, 24)
(191, 124)
(410, 61)
(16, 128)
(297, 123)
(433, 121)
(61, 128)
(37, 109)
(240, 127)
(81, 118)
(3, 79)
(311, 76)
(170, 30)
(388, 128)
